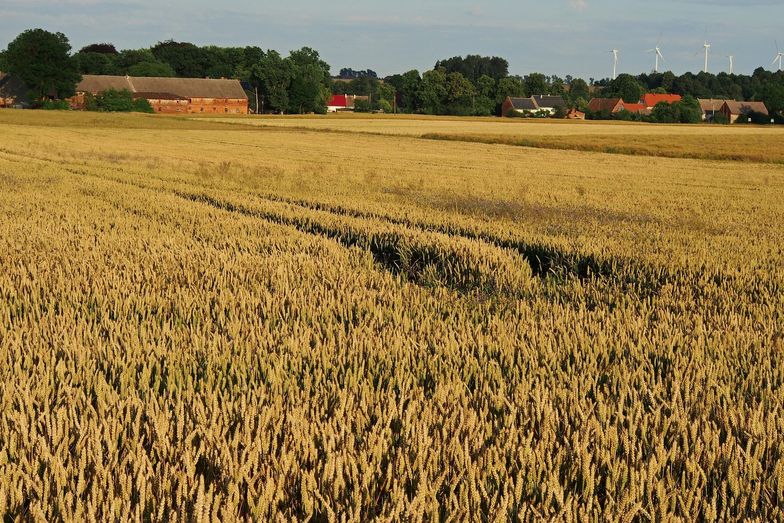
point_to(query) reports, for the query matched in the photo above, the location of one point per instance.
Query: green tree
(95, 63)
(772, 94)
(578, 88)
(484, 103)
(130, 57)
(432, 91)
(309, 89)
(273, 76)
(43, 62)
(187, 60)
(535, 83)
(159, 69)
(626, 87)
(406, 88)
(509, 86)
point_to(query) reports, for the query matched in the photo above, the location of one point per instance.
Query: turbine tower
(732, 63)
(779, 56)
(707, 47)
(659, 56)
(615, 53)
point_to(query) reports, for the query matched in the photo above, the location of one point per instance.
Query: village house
(644, 107)
(606, 105)
(344, 102)
(709, 107)
(542, 104)
(171, 95)
(734, 110)
(731, 109)
(651, 100)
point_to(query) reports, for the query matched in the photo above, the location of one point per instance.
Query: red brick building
(171, 95)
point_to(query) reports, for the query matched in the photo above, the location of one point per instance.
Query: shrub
(55, 105)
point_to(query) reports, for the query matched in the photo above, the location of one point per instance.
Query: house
(574, 114)
(344, 102)
(616, 105)
(532, 105)
(709, 107)
(651, 100)
(606, 105)
(171, 95)
(734, 110)
(549, 103)
(636, 108)
(13, 92)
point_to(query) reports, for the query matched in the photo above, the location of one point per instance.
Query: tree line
(301, 83)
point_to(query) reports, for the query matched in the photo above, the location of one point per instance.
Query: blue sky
(551, 36)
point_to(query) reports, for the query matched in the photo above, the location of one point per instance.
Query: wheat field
(211, 321)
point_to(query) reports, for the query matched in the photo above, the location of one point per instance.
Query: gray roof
(524, 104)
(549, 101)
(13, 91)
(182, 87)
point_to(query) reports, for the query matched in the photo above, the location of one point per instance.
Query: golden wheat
(209, 322)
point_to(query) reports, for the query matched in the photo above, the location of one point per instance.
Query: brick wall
(218, 106)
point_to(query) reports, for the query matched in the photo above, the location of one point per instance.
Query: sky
(563, 37)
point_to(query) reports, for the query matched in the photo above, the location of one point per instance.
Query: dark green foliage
(103, 48)
(310, 83)
(157, 69)
(113, 101)
(720, 118)
(95, 63)
(43, 62)
(626, 87)
(361, 106)
(474, 67)
(685, 111)
(55, 105)
(187, 60)
(141, 105)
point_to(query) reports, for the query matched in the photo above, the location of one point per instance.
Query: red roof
(634, 108)
(338, 100)
(650, 100)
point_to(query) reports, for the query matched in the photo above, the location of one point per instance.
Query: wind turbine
(615, 53)
(779, 56)
(659, 56)
(707, 47)
(732, 63)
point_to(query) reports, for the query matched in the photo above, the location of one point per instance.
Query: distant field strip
(738, 143)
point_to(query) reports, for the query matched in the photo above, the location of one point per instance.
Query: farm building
(734, 110)
(605, 105)
(171, 95)
(709, 107)
(575, 114)
(343, 102)
(532, 105)
(13, 92)
(731, 109)
(651, 100)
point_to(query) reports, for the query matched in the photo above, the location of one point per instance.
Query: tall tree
(535, 83)
(309, 90)
(187, 60)
(273, 76)
(43, 62)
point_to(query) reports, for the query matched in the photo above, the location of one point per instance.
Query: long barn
(171, 95)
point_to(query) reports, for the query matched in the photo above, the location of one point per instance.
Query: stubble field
(301, 319)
